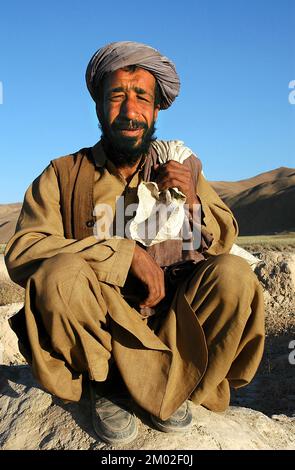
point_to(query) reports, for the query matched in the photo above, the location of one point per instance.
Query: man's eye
(116, 97)
(142, 98)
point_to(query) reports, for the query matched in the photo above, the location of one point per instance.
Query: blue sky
(235, 59)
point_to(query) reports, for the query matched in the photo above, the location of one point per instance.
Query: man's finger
(156, 291)
(173, 183)
(174, 173)
(153, 294)
(179, 168)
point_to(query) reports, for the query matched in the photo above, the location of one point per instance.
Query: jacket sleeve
(40, 235)
(219, 228)
(217, 219)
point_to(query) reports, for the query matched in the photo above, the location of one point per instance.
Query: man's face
(127, 111)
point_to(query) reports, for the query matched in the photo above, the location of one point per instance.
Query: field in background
(281, 241)
(2, 247)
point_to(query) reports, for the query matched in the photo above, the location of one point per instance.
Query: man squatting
(151, 324)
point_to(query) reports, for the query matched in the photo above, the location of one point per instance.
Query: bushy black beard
(123, 151)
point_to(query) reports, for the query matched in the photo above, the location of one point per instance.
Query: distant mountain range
(264, 204)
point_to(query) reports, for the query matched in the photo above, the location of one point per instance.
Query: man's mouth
(130, 128)
(130, 131)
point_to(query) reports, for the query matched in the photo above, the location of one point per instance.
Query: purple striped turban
(121, 54)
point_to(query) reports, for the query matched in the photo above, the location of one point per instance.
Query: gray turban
(121, 54)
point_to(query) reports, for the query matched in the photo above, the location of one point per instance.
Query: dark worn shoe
(179, 421)
(111, 418)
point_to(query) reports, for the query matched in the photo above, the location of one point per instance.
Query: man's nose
(129, 108)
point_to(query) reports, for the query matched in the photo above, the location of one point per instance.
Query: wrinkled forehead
(129, 79)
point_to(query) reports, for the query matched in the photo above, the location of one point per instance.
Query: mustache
(128, 125)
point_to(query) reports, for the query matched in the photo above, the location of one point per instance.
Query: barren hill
(8, 217)
(263, 204)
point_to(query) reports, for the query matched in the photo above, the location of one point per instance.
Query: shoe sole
(165, 428)
(114, 441)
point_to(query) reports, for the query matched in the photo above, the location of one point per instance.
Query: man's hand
(175, 175)
(147, 271)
